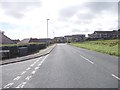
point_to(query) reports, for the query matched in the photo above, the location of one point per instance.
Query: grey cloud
(69, 11)
(95, 8)
(79, 30)
(86, 18)
(76, 30)
(81, 21)
(16, 8)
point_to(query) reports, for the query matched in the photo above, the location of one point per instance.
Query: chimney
(2, 32)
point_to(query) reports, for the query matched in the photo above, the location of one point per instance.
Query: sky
(21, 19)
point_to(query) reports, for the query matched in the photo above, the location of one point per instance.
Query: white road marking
(23, 72)
(21, 85)
(44, 59)
(32, 65)
(115, 77)
(33, 72)
(17, 78)
(8, 85)
(36, 68)
(37, 60)
(39, 64)
(28, 68)
(87, 59)
(28, 77)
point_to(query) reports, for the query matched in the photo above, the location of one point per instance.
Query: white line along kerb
(44, 59)
(115, 76)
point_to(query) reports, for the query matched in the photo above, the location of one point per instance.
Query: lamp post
(47, 27)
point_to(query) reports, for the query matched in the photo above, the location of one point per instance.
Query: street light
(47, 27)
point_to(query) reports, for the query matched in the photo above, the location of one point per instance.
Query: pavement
(28, 57)
(65, 67)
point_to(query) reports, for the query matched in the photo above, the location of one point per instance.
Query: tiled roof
(105, 31)
(5, 40)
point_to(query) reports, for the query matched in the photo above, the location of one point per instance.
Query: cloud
(69, 11)
(75, 30)
(17, 9)
(92, 8)
(100, 6)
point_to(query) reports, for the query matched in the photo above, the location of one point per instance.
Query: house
(104, 34)
(68, 38)
(4, 39)
(16, 41)
(45, 40)
(78, 38)
(35, 40)
(59, 40)
(29, 40)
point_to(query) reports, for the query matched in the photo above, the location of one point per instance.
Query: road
(65, 67)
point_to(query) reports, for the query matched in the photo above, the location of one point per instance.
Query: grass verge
(104, 46)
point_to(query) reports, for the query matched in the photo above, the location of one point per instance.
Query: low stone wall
(7, 52)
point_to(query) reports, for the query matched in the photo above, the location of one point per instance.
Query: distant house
(35, 40)
(4, 39)
(104, 34)
(68, 38)
(29, 40)
(78, 38)
(45, 40)
(16, 41)
(59, 39)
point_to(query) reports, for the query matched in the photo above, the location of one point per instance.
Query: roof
(16, 41)
(114, 31)
(68, 36)
(44, 39)
(28, 40)
(5, 40)
(79, 35)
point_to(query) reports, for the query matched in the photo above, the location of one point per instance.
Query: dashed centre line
(87, 59)
(36, 68)
(21, 85)
(33, 72)
(32, 65)
(28, 68)
(23, 72)
(28, 77)
(17, 78)
(39, 64)
(8, 85)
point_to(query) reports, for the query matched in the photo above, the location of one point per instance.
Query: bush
(20, 50)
